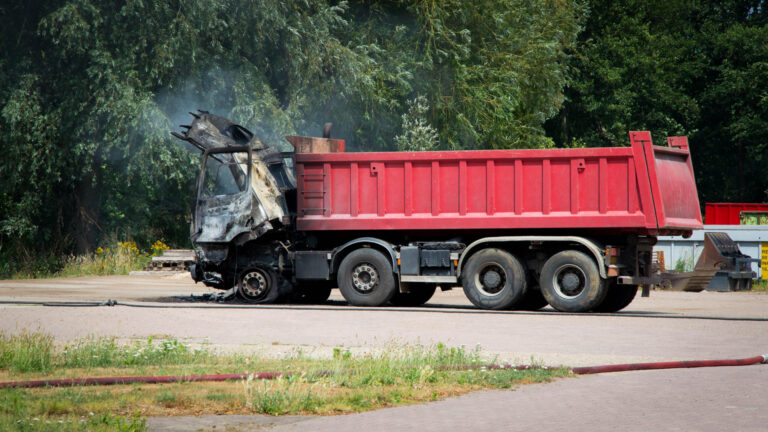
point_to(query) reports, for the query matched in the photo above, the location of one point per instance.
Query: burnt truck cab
(237, 198)
(243, 193)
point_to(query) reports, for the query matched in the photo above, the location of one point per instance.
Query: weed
(134, 423)
(115, 257)
(165, 397)
(684, 263)
(338, 354)
(119, 259)
(35, 352)
(219, 397)
(105, 422)
(26, 352)
(760, 284)
(278, 396)
(158, 248)
(56, 407)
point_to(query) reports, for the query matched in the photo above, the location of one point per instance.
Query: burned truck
(516, 229)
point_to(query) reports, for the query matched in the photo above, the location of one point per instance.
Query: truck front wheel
(493, 279)
(571, 282)
(365, 278)
(258, 285)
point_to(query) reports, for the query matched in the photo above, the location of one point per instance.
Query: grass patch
(36, 352)
(117, 258)
(342, 384)
(760, 284)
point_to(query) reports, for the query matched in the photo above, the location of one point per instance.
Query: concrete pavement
(666, 326)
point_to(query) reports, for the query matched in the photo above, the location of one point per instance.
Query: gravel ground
(666, 326)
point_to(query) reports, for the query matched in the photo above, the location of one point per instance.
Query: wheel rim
(255, 285)
(490, 279)
(364, 278)
(569, 281)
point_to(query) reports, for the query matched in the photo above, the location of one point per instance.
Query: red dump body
(643, 188)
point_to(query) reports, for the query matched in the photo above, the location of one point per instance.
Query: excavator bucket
(721, 267)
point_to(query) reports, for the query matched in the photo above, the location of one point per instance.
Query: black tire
(258, 285)
(494, 279)
(365, 278)
(533, 300)
(417, 296)
(571, 282)
(617, 298)
(316, 292)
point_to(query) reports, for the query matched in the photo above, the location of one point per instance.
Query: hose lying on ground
(71, 382)
(670, 365)
(272, 375)
(586, 370)
(443, 309)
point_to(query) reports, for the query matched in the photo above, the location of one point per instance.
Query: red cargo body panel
(501, 189)
(729, 213)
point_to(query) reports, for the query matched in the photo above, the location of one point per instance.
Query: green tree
(676, 68)
(731, 140)
(90, 90)
(498, 68)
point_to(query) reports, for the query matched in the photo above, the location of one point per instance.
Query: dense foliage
(677, 67)
(90, 89)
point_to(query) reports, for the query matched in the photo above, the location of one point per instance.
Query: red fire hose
(272, 375)
(670, 365)
(136, 379)
(625, 367)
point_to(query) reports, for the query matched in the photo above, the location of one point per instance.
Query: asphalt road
(666, 326)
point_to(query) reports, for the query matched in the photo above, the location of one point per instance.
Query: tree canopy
(677, 67)
(89, 91)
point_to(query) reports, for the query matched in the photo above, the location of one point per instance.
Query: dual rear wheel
(494, 279)
(569, 281)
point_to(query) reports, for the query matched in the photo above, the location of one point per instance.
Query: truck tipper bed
(643, 189)
(516, 229)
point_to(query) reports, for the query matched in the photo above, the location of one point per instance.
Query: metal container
(643, 189)
(729, 213)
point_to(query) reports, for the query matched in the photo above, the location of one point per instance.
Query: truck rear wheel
(571, 282)
(493, 279)
(366, 279)
(417, 296)
(258, 285)
(617, 298)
